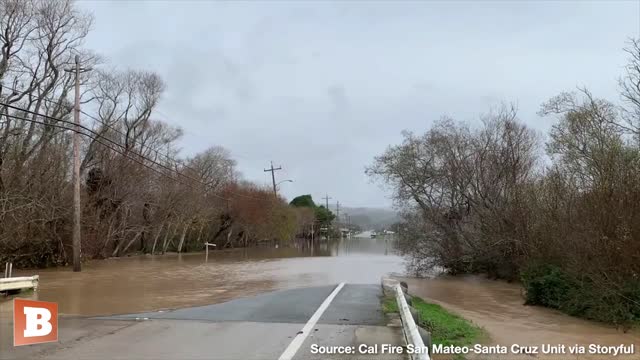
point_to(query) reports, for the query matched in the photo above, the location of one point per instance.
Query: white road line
(293, 347)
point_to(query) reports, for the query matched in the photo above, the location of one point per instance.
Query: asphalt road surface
(283, 324)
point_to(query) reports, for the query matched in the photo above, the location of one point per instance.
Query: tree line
(559, 212)
(138, 193)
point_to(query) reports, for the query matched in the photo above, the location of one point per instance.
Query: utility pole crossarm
(326, 198)
(273, 177)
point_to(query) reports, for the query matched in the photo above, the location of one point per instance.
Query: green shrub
(601, 300)
(546, 285)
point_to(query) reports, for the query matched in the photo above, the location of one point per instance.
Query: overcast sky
(322, 87)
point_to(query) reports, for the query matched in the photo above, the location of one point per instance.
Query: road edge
(411, 331)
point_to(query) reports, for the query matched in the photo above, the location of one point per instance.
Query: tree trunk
(166, 243)
(155, 240)
(147, 224)
(107, 238)
(184, 234)
(132, 241)
(228, 238)
(200, 233)
(117, 249)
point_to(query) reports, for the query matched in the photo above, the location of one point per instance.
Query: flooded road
(150, 283)
(147, 283)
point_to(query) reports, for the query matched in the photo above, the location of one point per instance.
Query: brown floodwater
(141, 283)
(150, 283)
(497, 306)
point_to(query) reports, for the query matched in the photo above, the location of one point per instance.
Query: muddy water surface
(143, 283)
(150, 283)
(497, 306)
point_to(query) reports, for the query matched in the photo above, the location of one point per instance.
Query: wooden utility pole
(347, 220)
(338, 218)
(77, 210)
(273, 177)
(326, 198)
(76, 173)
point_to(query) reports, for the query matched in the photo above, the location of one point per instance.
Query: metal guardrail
(409, 327)
(19, 283)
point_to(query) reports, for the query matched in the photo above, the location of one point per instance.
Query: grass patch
(446, 328)
(389, 305)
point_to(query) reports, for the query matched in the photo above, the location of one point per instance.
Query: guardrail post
(35, 282)
(206, 246)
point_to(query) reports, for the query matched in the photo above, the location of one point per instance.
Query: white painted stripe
(293, 347)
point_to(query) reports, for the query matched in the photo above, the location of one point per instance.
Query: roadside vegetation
(559, 212)
(138, 193)
(446, 328)
(320, 216)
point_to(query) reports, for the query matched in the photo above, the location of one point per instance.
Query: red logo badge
(34, 322)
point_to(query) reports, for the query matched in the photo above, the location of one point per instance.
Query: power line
(101, 143)
(98, 135)
(166, 156)
(111, 127)
(120, 152)
(142, 146)
(158, 153)
(126, 153)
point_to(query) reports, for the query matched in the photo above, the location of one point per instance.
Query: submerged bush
(582, 295)
(546, 285)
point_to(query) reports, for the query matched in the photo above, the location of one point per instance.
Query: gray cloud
(322, 87)
(338, 98)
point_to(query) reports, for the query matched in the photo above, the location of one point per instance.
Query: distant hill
(372, 218)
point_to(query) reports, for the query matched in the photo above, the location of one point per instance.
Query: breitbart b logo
(34, 322)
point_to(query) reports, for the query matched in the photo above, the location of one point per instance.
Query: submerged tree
(484, 199)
